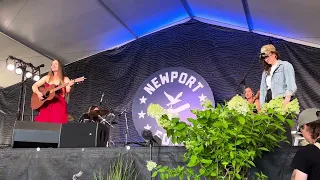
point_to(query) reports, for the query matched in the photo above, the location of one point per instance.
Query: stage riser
(63, 163)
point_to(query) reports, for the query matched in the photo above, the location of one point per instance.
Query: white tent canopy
(40, 30)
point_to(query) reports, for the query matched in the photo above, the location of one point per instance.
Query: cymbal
(98, 112)
(70, 117)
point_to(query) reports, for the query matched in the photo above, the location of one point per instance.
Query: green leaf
(280, 117)
(163, 169)
(251, 163)
(181, 176)
(162, 176)
(193, 161)
(208, 114)
(191, 120)
(241, 120)
(213, 174)
(213, 116)
(206, 161)
(238, 176)
(180, 126)
(175, 120)
(242, 136)
(231, 155)
(271, 137)
(154, 174)
(290, 122)
(233, 163)
(225, 125)
(202, 171)
(279, 127)
(263, 149)
(198, 149)
(225, 163)
(238, 142)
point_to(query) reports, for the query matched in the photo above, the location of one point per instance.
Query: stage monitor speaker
(79, 135)
(28, 134)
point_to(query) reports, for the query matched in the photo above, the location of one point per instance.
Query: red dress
(54, 111)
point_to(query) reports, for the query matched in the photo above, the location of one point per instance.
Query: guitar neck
(57, 88)
(66, 84)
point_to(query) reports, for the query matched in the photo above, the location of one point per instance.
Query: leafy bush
(223, 142)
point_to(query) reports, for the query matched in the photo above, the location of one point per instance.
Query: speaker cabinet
(28, 134)
(77, 135)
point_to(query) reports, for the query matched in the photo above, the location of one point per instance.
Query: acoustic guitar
(49, 93)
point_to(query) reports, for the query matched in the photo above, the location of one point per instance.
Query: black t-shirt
(307, 160)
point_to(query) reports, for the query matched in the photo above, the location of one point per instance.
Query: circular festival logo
(178, 89)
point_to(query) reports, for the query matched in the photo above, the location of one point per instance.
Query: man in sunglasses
(306, 162)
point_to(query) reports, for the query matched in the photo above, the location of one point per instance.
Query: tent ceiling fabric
(75, 29)
(226, 11)
(289, 18)
(144, 16)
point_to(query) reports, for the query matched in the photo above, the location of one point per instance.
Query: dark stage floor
(63, 163)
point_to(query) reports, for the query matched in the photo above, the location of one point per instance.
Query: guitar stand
(104, 121)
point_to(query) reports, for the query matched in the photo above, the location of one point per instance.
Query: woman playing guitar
(55, 110)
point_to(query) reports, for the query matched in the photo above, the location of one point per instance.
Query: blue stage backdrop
(220, 55)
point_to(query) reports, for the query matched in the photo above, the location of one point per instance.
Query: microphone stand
(21, 94)
(127, 127)
(243, 81)
(126, 131)
(150, 147)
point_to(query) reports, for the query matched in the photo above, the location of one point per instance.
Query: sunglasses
(263, 56)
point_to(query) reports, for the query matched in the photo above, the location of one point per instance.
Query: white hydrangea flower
(239, 104)
(151, 165)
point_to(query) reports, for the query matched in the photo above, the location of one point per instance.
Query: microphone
(40, 66)
(101, 99)
(147, 136)
(150, 138)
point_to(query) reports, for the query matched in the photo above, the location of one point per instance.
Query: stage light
(10, 67)
(19, 70)
(128, 147)
(28, 74)
(26, 70)
(36, 77)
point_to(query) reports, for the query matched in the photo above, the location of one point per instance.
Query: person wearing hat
(306, 162)
(278, 77)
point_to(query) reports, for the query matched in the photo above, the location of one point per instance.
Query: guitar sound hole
(46, 94)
